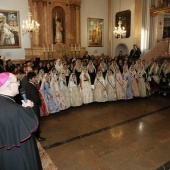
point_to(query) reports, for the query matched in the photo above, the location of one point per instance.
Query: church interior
(117, 135)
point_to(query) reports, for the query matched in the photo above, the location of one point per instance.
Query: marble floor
(121, 135)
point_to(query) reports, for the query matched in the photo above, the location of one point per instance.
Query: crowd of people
(53, 86)
(75, 81)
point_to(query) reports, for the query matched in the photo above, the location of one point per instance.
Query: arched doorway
(121, 47)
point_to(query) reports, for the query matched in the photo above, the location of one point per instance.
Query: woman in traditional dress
(154, 77)
(48, 97)
(119, 85)
(127, 84)
(40, 76)
(164, 69)
(59, 65)
(145, 66)
(55, 88)
(103, 68)
(164, 78)
(110, 86)
(150, 64)
(85, 85)
(75, 95)
(137, 65)
(78, 69)
(99, 92)
(134, 81)
(43, 107)
(113, 66)
(144, 87)
(125, 65)
(66, 71)
(133, 63)
(120, 64)
(64, 90)
(53, 72)
(92, 71)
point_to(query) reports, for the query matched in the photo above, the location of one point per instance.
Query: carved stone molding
(155, 11)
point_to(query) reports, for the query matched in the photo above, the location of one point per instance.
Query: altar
(61, 51)
(59, 31)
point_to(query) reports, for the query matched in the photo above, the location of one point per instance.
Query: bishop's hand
(28, 104)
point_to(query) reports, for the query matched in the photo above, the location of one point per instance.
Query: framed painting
(9, 29)
(125, 18)
(95, 32)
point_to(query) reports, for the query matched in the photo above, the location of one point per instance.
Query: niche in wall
(121, 47)
(60, 13)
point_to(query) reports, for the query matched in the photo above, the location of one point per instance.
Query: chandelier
(119, 31)
(29, 26)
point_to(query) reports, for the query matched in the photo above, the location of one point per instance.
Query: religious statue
(163, 3)
(6, 36)
(59, 29)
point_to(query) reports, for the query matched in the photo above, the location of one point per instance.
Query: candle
(79, 47)
(52, 48)
(71, 47)
(48, 48)
(44, 48)
(75, 47)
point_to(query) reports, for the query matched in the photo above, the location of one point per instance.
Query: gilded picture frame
(9, 29)
(95, 30)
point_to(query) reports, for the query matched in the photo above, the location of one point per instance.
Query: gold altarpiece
(43, 44)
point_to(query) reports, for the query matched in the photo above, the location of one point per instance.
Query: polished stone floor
(121, 135)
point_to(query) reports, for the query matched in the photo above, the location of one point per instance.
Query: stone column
(45, 24)
(138, 22)
(110, 27)
(31, 9)
(153, 27)
(77, 24)
(35, 38)
(40, 16)
(72, 24)
(168, 46)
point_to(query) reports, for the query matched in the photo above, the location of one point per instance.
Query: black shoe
(41, 139)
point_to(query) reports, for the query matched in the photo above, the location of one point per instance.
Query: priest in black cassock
(18, 148)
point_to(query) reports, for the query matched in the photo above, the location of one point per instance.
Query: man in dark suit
(10, 67)
(135, 53)
(33, 94)
(86, 56)
(24, 80)
(2, 58)
(19, 74)
(120, 56)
